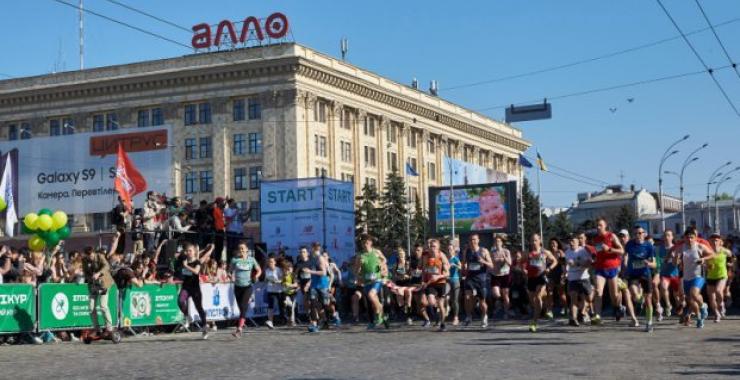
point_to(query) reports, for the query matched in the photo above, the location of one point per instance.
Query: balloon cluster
(48, 228)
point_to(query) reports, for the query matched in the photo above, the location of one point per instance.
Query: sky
(616, 136)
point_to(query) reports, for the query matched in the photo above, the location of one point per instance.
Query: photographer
(5, 260)
(99, 281)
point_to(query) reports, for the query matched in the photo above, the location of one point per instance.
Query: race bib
(432, 270)
(371, 277)
(305, 276)
(401, 270)
(638, 264)
(416, 273)
(599, 247)
(474, 266)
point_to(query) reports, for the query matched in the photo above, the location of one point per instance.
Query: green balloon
(64, 232)
(45, 211)
(52, 239)
(27, 230)
(44, 235)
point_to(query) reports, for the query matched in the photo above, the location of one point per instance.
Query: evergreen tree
(560, 227)
(367, 216)
(625, 218)
(393, 204)
(419, 224)
(531, 217)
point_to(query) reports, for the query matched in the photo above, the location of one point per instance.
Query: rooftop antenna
(433, 87)
(82, 38)
(415, 84)
(344, 47)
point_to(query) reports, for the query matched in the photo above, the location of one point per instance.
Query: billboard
(299, 212)
(487, 207)
(75, 172)
(458, 172)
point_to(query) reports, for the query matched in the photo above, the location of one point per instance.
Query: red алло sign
(276, 27)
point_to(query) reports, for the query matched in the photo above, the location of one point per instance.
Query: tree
(393, 204)
(367, 216)
(531, 217)
(419, 224)
(723, 197)
(625, 218)
(560, 227)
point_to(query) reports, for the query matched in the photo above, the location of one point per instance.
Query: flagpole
(521, 204)
(539, 192)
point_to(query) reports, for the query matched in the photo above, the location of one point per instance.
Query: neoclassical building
(271, 112)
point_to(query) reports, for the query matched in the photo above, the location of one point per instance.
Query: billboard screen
(75, 172)
(478, 208)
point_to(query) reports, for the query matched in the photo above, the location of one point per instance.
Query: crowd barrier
(219, 302)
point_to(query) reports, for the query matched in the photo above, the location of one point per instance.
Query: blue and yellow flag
(541, 162)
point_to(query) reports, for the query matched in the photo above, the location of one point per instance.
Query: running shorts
(534, 282)
(437, 290)
(607, 273)
(646, 283)
(581, 287)
(697, 282)
(478, 285)
(503, 282)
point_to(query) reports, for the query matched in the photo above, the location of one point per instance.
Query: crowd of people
(687, 277)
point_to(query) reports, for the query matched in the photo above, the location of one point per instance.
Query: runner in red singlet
(609, 253)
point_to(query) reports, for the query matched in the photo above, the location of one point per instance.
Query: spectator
(219, 227)
(5, 262)
(234, 227)
(179, 224)
(152, 210)
(290, 287)
(137, 236)
(120, 218)
(204, 223)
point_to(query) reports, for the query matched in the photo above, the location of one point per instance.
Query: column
(333, 141)
(382, 150)
(358, 160)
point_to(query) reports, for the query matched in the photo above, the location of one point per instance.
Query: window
(239, 141)
(190, 114)
(68, 126)
(346, 149)
(392, 161)
(240, 179)
(190, 183)
(12, 132)
(255, 109)
(412, 194)
(98, 123)
(371, 182)
(100, 221)
(206, 181)
(369, 126)
(25, 131)
(369, 156)
(54, 129)
(205, 147)
(391, 133)
(143, 119)
(346, 119)
(432, 171)
(319, 143)
(319, 112)
(255, 176)
(111, 121)
(348, 177)
(204, 113)
(431, 147)
(412, 139)
(157, 117)
(254, 212)
(321, 172)
(255, 143)
(238, 110)
(190, 149)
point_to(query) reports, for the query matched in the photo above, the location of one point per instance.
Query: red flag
(128, 181)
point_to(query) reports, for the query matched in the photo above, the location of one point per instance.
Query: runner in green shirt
(370, 269)
(717, 276)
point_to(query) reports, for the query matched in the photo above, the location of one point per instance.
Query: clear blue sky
(469, 41)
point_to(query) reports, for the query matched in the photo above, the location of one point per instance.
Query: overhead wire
(716, 36)
(139, 11)
(698, 56)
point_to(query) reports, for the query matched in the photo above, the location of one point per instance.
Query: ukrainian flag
(541, 162)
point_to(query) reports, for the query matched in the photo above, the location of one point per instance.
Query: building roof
(611, 197)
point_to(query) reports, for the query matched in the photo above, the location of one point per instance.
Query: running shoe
(426, 324)
(668, 312)
(270, 325)
(704, 311)
(573, 322)
(313, 328)
(442, 327)
(371, 326)
(237, 333)
(205, 332)
(337, 321)
(699, 323)
(455, 322)
(723, 311)
(649, 328)
(660, 317)
(73, 338)
(716, 318)
(409, 321)
(484, 322)
(467, 322)
(586, 319)
(596, 320)
(385, 322)
(635, 323)
(533, 327)
(549, 315)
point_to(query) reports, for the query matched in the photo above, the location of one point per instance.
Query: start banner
(150, 305)
(67, 306)
(17, 308)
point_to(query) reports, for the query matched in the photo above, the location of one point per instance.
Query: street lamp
(715, 175)
(669, 152)
(734, 213)
(688, 161)
(716, 204)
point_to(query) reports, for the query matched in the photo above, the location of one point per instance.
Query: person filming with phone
(99, 281)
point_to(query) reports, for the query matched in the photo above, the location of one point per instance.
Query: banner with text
(220, 304)
(17, 308)
(151, 305)
(68, 306)
(74, 172)
(298, 212)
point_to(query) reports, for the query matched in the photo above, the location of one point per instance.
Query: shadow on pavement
(711, 369)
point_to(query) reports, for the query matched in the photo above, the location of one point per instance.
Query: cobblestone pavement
(503, 351)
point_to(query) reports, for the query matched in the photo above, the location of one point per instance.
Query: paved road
(505, 351)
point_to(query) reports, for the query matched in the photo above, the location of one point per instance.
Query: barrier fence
(25, 308)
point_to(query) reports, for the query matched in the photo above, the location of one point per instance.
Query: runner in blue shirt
(640, 263)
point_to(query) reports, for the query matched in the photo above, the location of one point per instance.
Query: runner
(537, 271)
(416, 268)
(476, 261)
(289, 288)
(436, 271)
(454, 281)
(353, 289)
(670, 281)
(589, 304)
(335, 281)
(578, 261)
(242, 267)
(693, 254)
(626, 307)
(640, 263)
(501, 274)
(319, 296)
(274, 291)
(190, 264)
(370, 268)
(556, 281)
(401, 281)
(717, 277)
(304, 278)
(609, 253)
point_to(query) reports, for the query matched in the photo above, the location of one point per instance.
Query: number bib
(474, 266)
(371, 276)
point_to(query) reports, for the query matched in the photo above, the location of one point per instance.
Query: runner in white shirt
(578, 261)
(274, 294)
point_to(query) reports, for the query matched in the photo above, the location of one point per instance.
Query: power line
(716, 36)
(572, 172)
(139, 11)
(159, 36)
(706, 67)
(586, 60)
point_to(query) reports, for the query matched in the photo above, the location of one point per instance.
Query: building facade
(609, 203)
(272, 112)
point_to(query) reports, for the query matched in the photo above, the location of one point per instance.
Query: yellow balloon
(35, 243)
(44, 222)
(3, 205)
(30, 220)
(59, 220)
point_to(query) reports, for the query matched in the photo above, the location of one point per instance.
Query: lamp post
(688, 161)
(715, 175)
(716, 204)
(734, 212)
(669, 152)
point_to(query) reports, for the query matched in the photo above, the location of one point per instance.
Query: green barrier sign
(17, 308)
(68, 306)
(151, 305)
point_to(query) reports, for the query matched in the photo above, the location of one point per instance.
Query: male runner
(436, 271)
(609, 253)
(669, 275)
(693, 255)
(370, 269)
(640, 262)
(578, 261)
(319, 295)
(500, 274)
(475, 263)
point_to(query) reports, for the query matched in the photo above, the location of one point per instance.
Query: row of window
(202, 181)
(243, 144)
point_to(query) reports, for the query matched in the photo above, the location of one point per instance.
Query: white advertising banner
(219, 302)
(296, 213)
(75, 172)
(465, 173)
